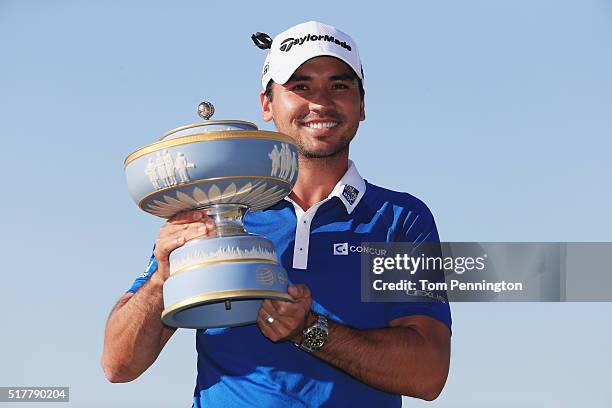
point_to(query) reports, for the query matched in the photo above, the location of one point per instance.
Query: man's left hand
(280, 320)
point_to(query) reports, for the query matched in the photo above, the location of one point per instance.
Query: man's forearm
(134, 334)
(399, 360)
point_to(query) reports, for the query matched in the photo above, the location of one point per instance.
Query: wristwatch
(315, 336)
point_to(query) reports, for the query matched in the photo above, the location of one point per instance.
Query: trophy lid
(205, 111)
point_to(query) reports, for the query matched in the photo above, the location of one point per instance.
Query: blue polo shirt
(239, 367)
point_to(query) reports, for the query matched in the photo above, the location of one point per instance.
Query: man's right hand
(178, 230)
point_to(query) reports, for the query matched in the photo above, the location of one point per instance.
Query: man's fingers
(285, 308)
(163, 247)
(269, 309)
(194, 231)
(174, 236)
(298, 291)
(301, 302)
(187, 217)
(268, 330)
(187, 230)
(270, 323)
(197, 231)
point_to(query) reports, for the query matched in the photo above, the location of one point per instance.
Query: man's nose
(321, 100)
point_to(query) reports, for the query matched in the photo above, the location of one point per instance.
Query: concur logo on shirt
(341, 248)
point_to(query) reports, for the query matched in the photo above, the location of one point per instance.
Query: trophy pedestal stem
(228, 218)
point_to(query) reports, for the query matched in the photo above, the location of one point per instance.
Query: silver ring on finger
(270, 319)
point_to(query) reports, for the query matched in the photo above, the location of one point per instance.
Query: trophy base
(221, 282)
(235, 309)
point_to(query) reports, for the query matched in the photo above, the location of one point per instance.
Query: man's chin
(321, 153)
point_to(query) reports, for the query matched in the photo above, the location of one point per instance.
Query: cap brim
(289, 69)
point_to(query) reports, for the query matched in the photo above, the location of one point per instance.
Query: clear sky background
(497, 114)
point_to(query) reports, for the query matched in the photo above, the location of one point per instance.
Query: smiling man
(321, 123)
(328, 348)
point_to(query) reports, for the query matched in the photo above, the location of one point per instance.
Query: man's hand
(280, 320)
(180, 229)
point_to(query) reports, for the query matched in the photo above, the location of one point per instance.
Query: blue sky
(496, 114)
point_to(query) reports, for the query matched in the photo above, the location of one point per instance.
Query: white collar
(349, 189)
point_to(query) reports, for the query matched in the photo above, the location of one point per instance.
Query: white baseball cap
(293, 47)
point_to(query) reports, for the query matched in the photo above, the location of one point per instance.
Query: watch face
(315, 338)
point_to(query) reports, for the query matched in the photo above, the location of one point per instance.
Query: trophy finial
(206, 110)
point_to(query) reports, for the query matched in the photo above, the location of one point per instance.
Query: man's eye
(299, 87)
(340, 86)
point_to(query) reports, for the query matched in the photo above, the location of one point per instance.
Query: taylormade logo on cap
(293, 47)
(288, 43)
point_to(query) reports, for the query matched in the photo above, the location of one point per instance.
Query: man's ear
(362, 110)
(266, 106)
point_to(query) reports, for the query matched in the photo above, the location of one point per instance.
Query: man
(350, 353)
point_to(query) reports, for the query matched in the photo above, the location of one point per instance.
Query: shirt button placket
(302, 238)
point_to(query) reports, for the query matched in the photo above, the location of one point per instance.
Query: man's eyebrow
(339, 77)
(296, 78)
(343, 77)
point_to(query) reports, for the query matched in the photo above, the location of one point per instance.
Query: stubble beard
(330, 153)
